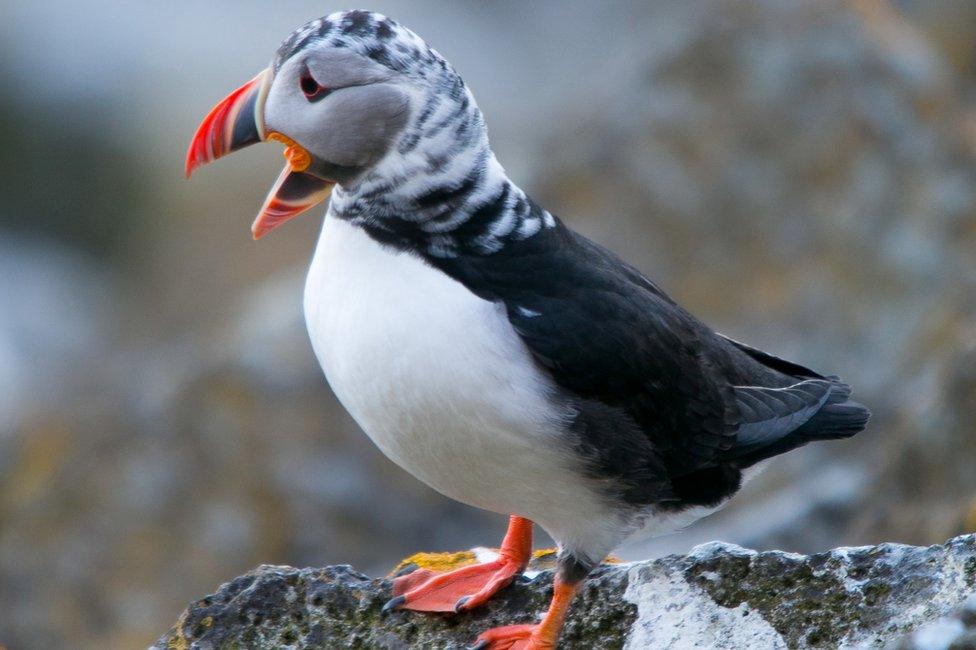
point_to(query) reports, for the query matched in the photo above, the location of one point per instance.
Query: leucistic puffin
(503, 359)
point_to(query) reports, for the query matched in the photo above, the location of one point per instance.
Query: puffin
(503, 359)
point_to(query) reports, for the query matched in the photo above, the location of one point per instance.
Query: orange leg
(533, 637)
(470, 586)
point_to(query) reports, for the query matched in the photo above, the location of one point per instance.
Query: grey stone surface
(717, 596)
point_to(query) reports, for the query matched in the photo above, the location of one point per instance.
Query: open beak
(237, 122)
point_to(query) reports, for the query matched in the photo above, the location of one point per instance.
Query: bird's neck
(462, 205)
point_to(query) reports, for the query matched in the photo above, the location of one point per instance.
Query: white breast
(441, 382)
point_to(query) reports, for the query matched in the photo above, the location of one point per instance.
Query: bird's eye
(313, 90)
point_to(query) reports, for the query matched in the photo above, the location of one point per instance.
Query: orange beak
(237, 122)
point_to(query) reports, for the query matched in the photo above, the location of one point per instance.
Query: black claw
(393, 603)
(462, 601)
(480, 645)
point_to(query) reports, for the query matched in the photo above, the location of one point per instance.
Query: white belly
(442, 384)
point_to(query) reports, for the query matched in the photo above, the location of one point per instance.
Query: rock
(718, 596)
(954, 632)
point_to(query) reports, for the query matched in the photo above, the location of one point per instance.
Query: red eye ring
(310, 87)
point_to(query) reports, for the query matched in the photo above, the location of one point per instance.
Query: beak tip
(190, 165)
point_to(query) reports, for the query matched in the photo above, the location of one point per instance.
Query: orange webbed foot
(533, 637)
(513, 637)
(467, 587)
(454, 591)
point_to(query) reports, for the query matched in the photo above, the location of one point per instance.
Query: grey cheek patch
(359, 125)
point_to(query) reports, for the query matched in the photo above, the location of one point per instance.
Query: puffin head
(348, 96)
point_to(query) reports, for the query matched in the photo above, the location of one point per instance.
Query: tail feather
(835, 421)
(840, 417)
(839, 391)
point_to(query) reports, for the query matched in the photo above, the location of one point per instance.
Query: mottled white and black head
(362, 102)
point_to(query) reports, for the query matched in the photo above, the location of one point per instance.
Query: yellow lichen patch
(547, 553)
(437, 561)
(178, 641)
(543, 558)
(207, 622)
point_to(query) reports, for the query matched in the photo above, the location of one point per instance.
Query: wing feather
(768, 414)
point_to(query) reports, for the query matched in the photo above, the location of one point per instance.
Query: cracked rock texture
(718, 596)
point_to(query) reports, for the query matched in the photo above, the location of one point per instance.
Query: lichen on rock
(717, 596)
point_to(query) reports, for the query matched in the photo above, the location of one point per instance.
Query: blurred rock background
(799, 173)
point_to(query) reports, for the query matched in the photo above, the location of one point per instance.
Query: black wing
(630, 349)
(605, 332)
(608, 335)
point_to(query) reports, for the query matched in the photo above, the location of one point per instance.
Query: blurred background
(799, 173)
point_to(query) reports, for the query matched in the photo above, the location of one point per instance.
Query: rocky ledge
(717, 596)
